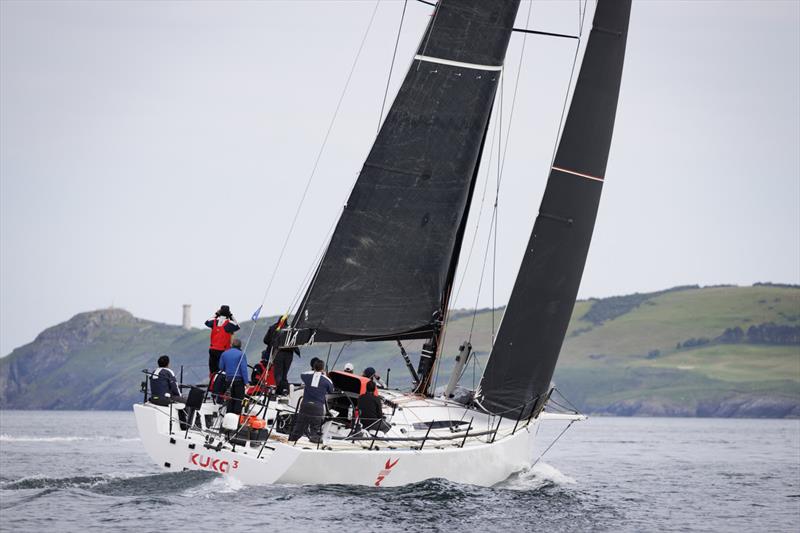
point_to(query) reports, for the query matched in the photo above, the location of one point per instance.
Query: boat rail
(211, 434)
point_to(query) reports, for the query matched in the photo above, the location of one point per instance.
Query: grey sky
(154, 153)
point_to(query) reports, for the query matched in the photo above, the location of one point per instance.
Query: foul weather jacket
(233, 363)
(163, 383)
(222, 329)
(317, 385)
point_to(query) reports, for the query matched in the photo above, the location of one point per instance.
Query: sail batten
(520, 368)
(442, 61)
(389, 265)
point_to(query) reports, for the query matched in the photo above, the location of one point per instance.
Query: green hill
(687, 351)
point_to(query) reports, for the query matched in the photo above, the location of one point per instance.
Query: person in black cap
(223, 326)
(163, 385)
(283, 358)
(164, 389)
(369, 372)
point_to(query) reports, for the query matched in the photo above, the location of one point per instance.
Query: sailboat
(388, 271)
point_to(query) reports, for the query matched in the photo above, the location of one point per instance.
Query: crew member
(163, 385)
(371, 411)
(164, 389)
(348, 367)
(283, 357)
(312, 410)
(369, 372)
(262, 377)
(233, 363)
(223, 326)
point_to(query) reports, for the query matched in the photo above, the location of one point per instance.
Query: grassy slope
(660, 323)
(688, 377)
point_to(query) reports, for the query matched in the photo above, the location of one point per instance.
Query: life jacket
(220, 339)
(217, 387)
(253, 421)
(260, 382)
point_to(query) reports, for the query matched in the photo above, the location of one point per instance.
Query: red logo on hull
(217, 465)
(386, 471)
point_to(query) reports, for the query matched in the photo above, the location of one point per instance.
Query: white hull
(482, 460)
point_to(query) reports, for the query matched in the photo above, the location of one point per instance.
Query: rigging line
(438, 362)
(391, 67)
(474, 371)
(497, 196)
(344, 203)
(464, 371)
(552, 443)
(583, 16)
(566, 399)
(569, 84)
(494, 224)
(441, 344)
(501, 159)
(500, 167)
(314, 265)
(545, 33)
(478, 364)
(314, 169)
(327, 357)
(480, 282)
(480, 212)
(430, 32)
(345, 345)
(564, 408)
(516, 89)
(297, 299)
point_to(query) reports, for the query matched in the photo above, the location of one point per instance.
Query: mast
(518, 374)
(388, 270)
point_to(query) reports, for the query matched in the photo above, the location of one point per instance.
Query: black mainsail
(520, 367)
(390, 263)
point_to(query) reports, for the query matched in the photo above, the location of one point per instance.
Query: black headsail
(524, 356)
(389, 266)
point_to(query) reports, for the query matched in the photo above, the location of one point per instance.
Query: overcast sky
(154, 153)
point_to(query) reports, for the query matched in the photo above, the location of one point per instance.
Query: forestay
(390, 263)
(524, 356)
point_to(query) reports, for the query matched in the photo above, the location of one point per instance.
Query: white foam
(541, 475)
(218, 485)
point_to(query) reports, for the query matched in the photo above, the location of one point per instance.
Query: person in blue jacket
(233, 362)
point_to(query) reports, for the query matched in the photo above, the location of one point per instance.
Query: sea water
(87, 471)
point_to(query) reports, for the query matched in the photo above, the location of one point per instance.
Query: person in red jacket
(223, 326)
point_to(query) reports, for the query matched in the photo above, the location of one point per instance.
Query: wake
(65, 438)
(114, 485)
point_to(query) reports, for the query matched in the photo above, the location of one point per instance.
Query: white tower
(187, 316)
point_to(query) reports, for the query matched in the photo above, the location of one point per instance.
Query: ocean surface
(87, 471)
